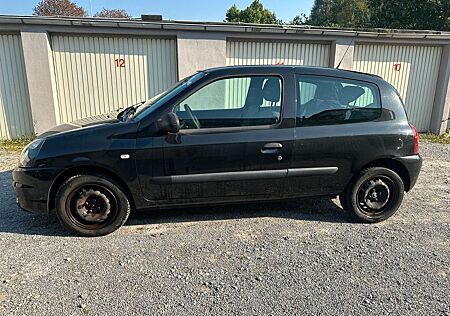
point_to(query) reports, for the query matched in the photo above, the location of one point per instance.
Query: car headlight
(30, 151)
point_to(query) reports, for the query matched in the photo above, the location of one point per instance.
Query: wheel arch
(392, 164)
(86, 169)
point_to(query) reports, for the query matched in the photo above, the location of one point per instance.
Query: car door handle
(271, 148)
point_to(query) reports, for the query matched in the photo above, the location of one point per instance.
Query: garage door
(96, 75)
(15, 110)
(269, 53)
(413, 70)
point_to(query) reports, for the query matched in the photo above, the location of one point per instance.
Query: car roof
(305, 69)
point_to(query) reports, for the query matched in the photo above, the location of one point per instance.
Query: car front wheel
(91, 205)
(374, 195)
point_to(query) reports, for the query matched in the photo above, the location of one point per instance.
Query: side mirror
(169, 123)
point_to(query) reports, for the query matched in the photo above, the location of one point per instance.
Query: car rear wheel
(374, 195)
(91, 205)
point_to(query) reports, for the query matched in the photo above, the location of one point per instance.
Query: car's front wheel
(91, 205)
(374, 195)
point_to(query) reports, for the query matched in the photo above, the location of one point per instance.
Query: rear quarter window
(332, 100)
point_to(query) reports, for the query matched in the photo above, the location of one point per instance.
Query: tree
(233, 14)
(301, 19)
(58, 7)
(340, 13)
(398, 14)
(254, 13)
(406, 14)
(112, 13)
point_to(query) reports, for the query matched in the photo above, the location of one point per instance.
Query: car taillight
(416, 139)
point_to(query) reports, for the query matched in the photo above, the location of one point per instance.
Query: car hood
(86, 122)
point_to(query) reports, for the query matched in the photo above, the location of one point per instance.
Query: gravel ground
(305, 257)
(7, 160)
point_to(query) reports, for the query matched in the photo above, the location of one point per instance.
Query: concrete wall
(197, 51)
(342, 50)
(39, 70)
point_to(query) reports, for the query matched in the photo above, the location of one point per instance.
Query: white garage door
(15, 110)
(270, 53)
(412, 70)
(96, 75)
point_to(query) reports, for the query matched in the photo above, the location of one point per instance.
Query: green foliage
(407, 14)
(340, 13)
(398, 14)
(254, 13)
(15, 145)
(233, 14)
(301, 19)
(441, 139)
(112, 13)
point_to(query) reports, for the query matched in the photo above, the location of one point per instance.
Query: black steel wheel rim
(91, 206)
(376, 195)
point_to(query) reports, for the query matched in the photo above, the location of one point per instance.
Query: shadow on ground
(14, 220)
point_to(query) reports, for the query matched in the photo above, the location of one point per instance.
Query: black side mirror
(169, 123)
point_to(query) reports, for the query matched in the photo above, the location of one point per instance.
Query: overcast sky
(196, 10)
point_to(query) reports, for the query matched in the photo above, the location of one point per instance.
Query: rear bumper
(31, 186)
(413, 164)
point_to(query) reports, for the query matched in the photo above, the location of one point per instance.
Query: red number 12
(120, 62)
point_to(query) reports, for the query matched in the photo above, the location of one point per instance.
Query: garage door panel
(96, 75)
(270, 53)
(412, 70)
(15, 109)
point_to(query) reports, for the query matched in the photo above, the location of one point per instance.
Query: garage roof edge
(221, 27)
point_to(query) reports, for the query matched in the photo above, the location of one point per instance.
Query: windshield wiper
(124, 114)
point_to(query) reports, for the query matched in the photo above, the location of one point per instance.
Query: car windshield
(158, 100)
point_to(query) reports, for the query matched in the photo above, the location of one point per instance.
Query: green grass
(442, 139)
(15, 145)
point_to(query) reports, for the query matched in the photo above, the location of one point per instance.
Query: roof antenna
(343, 56)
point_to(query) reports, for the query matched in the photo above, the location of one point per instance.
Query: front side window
(328, 100)
(233, 102)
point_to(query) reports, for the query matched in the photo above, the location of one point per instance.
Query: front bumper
(413, 164)
(32, 186)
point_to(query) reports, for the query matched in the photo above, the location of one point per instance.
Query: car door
(235, 142)
(337, 128)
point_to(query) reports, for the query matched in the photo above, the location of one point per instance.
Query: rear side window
(328, 100)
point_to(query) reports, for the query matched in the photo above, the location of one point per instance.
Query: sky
(190, 10)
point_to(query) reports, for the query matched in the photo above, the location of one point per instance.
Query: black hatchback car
(228, 135)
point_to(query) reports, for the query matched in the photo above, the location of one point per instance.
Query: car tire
(91, 205)
(374, 195)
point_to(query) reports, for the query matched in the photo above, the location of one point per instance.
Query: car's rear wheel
(91, 205)
(374, 195)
